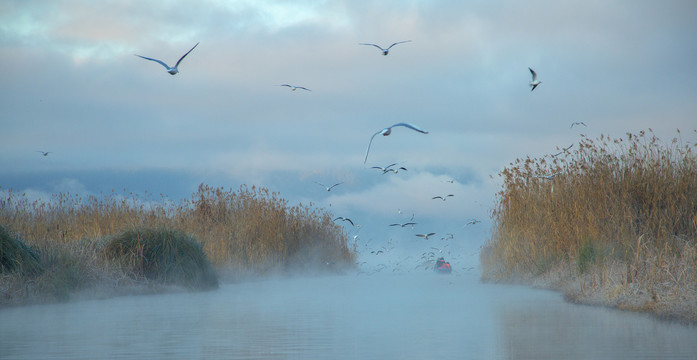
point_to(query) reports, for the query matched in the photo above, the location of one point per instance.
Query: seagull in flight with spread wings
(405, 224)
(386, 51)
(442, 197)
(578, 123)
(329, 188)
(387, 131)
(344, 219)
(43, 153)
(293, 87)
(425, 236)
(534, 82)
(172, 70)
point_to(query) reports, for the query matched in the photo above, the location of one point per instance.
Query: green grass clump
(15, 256)
(164, 255)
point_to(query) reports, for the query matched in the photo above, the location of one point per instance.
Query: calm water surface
(427, 316)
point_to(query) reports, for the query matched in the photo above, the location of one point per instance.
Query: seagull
(330, 187)
(344, 219)
(548, 177)
(293, 87)
(578, 123)
(563, 150)
(172, 70)
(534, 82)
(384, 169)
(387, 131)
(44, 153)
(395, 171)
(473, 222)
(442, 197)
(425, 236)
(386, 51)
(405, 224)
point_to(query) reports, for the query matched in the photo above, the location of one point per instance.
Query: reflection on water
(341, 317)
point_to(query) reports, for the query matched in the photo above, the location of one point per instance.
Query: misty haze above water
(423, 316)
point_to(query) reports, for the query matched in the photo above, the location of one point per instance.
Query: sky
(70, 84)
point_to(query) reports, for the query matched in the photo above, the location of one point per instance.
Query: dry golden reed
(249, 230)
(627, 203)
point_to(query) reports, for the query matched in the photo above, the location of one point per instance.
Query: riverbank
(69, 247)
(612, 223)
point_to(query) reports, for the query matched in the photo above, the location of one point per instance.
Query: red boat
(442, 267)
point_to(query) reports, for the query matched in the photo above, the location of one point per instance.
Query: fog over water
(419, 315)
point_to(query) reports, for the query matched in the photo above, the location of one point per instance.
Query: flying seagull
(43, 153)
(534, 82)
(405, 224)
(442, 197)
(473, 222)
(563, 150)
(293, 87)
(548, 177)
(425, 236)
(386, 51)
(329, 188)
(344, 219)
(395, 171)
(172, 70)
(578, 123)
(387, 131)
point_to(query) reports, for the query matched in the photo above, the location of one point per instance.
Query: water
(426, 316)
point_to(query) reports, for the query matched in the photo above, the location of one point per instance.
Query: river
(379, 316)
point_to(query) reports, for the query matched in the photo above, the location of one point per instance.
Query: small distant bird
(329, 188)
(44, 153)
(534, 82)
(292, 87)
(405, 224)
(472, 222)
(172, 70)
(386, 51)
(344, 219)
(563, 150)
(442, 197)
(578, 123)
(395, 170)
(384, 169)
(425, 236)
(387, 131)
(548, 177)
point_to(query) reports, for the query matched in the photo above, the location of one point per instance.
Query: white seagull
(534, 82)
(344, 219)
(329, 188)
(442, 197)
(387, 131)
(405, 224)
(293, 87)
(578, 123)
(386, 51)
(425, 236)
(44, 153)
(172, 70)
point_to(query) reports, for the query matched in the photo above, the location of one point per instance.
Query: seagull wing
(534, 74)
(437, 197)
(335, 185)
(320, 184)
(533, 87)
(304, 88)
(187, 53)
(370, 143)
(381, 49)
(399, 42)
(155, 60)
(395, 224)
(411, 126)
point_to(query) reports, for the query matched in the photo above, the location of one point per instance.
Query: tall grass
(250, 230)
(627, 203)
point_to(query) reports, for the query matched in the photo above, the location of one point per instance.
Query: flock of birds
(391, 168)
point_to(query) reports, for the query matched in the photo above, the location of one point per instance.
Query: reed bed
(251, 230)
(616, 225)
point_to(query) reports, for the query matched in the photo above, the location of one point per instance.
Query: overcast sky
(70, 84)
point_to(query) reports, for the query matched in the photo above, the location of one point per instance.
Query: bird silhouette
(534, 82)
(387, 131)
(329, 188)
(172, 70)
(387, 50)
